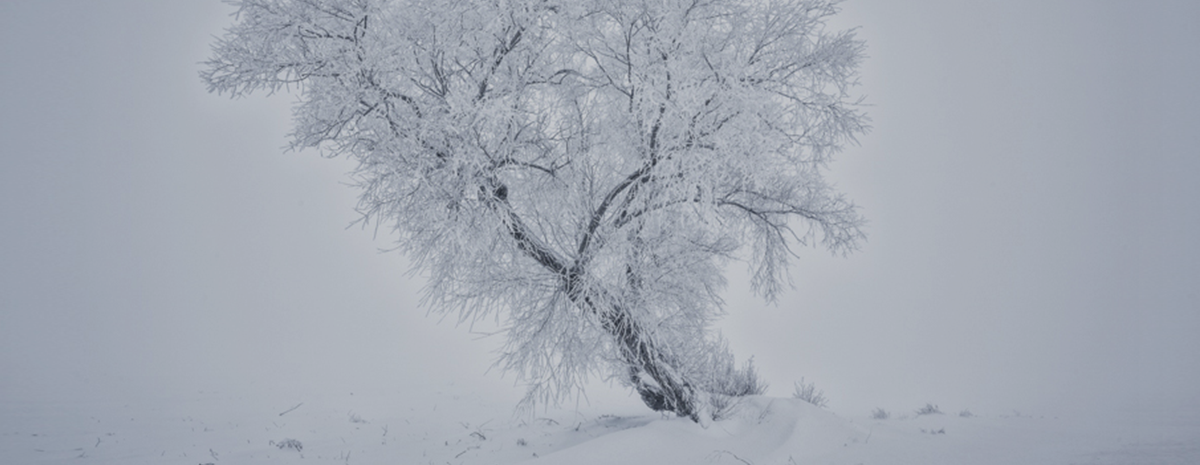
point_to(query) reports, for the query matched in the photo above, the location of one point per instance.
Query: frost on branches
(584, 169)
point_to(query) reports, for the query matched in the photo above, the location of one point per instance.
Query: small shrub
(723, 382)
(966, 413)
(880, 414)
(729, 380)
(288, 444)
(521, 442)
(929, 409)
(809, 393)
(721, 406)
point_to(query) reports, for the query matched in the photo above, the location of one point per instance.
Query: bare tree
(583, 169)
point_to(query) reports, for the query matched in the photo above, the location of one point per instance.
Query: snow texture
(453, 426)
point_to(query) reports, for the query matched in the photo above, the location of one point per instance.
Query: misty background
(1031, 187)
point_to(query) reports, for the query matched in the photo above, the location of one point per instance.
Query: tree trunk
(665, 390)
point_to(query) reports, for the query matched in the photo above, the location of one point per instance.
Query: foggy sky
(1030, 184)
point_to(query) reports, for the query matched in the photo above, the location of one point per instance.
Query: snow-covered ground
(1033, 212)
(453, 425)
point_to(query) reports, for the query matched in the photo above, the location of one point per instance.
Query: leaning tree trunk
(651, 372)
(665, 390)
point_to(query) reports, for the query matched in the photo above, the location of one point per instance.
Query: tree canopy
(581, 170)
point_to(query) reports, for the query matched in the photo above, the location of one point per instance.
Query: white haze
(1030, 184)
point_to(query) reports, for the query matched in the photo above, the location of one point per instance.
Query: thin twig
(465, 451)
(289, 410)
(734, 456)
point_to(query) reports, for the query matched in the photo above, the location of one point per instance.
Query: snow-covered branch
(582, 170)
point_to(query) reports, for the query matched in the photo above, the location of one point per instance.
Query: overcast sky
(1031, 186)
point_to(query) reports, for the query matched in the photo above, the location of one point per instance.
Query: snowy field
(452, 425)
(175, 289)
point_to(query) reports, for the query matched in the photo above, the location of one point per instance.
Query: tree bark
(669, 392)
(665, 390)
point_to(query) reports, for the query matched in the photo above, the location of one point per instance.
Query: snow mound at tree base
(785, 431)
(756, 430)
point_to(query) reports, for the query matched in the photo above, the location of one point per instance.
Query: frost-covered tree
(581, 170)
